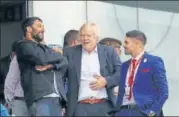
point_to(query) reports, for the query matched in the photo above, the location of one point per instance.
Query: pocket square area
(145, 70)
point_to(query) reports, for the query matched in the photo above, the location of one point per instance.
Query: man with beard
(143, 85)
(41, 70)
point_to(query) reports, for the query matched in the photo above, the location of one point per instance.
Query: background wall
(9, 34)
(59, 17)
(10, 31)
(161, 28)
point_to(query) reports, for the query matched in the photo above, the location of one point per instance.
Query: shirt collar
(95, 50)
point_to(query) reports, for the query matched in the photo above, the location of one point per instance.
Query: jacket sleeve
(65, 54)
(160, 81)
(36, 54)
(63, 63)
(113, 80)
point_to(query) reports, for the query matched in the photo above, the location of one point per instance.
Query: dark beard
(37, 38)
(126, 53)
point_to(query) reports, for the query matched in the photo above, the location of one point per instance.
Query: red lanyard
(131, 76)
(137, 63)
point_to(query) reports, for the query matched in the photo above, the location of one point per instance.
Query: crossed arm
(39, 56)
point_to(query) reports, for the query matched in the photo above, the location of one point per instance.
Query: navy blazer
(150, 88)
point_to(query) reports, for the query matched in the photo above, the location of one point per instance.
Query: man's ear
(29, 29)
(73, 42)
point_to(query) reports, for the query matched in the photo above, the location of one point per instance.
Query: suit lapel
(102, 58)
(77, 62)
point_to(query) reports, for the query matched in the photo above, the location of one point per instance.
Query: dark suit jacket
(4, 68)
(38, 84)
(109, 68)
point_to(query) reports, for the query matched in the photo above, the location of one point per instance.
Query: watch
(151, 114)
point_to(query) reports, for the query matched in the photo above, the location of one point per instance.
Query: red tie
(131, 78)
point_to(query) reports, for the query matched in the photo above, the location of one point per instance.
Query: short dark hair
(67, 39)
(138, 35)
(110, 42)
(28, 22)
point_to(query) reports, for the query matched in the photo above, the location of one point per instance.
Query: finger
(38, 69)
(93, 82)
(96, 76)
(94, 86)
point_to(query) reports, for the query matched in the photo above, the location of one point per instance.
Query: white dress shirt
(90, 66)
(13, 86)
(125, 98)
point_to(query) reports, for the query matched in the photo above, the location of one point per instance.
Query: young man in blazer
(143, 84)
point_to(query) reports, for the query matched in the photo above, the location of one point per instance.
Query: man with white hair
(94, 71)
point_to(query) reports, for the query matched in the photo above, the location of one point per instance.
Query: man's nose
(86, 38)
(42, 29)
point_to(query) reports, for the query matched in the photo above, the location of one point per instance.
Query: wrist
(105, 82)
(50, 66)
(151, 114)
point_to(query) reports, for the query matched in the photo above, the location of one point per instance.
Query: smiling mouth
(41, 34)
(86, 42)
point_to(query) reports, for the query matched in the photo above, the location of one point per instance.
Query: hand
(57, 50)
(43, 68)
(63, 111)
(116, 90)
(99, 83)
(151, 114)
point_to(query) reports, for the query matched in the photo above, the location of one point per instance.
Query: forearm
(36, 55)
(63, 64)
